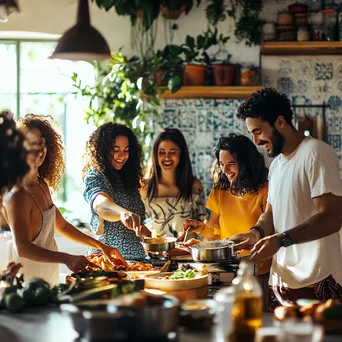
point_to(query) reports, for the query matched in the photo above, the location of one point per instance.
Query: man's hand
(131, 221)
(246, 240)
(266, 248)
(77, 263)
(113, 253)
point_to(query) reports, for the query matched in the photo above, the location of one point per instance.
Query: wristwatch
(286, 240)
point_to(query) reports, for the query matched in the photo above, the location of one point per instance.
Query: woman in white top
(32, 216)
(171, 193)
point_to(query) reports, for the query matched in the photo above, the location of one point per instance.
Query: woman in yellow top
(238, 197)
(240, 189)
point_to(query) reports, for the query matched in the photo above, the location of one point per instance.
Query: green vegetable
(179, 274)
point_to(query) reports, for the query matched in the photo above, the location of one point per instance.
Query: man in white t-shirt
(300, 227)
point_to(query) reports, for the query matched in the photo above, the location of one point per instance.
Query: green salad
(179, 274)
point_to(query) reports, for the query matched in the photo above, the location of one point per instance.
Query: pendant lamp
(82, 42)
(6, 8)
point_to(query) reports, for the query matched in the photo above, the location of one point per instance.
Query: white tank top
(45, 239)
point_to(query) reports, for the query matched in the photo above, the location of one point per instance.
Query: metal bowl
(154, 244)
(107, 322)
(212, 251)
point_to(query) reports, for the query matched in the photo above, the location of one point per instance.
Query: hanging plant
(245, 13)
(124, 92)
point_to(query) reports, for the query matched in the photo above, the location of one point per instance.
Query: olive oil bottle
(247, 305)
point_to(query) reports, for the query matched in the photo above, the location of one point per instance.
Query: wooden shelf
(212, 92)
(301, 48)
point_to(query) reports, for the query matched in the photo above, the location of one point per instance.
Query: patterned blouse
(167, 215)
(115, 234)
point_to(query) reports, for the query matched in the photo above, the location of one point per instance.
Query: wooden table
(49, 325)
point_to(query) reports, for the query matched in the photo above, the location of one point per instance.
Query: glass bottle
(247, 305)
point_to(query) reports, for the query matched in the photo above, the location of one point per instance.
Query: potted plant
(196, 58)
(172, 9)
(245, 13)
(223, 72)
(169, 66)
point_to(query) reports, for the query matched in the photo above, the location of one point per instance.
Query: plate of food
(133, 269)
(327, 314)
(185, 278)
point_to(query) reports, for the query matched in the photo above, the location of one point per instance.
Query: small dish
(198, 314)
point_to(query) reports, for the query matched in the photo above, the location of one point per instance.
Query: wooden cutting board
(183, 295)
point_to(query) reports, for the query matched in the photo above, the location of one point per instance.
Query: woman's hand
(113, 253)
(131, 221)
(191, 226)
(144, 231)
(77, 263)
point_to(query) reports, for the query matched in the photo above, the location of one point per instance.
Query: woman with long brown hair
(171, 192)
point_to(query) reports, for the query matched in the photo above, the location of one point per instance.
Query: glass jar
(286, 33)
(329, 26)
(247, 304)
(301, 19)
(224, 299)
(303, 34)
(268, 30)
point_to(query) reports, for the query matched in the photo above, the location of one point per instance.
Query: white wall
(56, 16)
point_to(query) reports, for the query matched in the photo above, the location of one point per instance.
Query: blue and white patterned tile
(203, 123)
(334, 102)
(204, 162)
(285, 68)
(187, 119)
(334, 140)
(170, 118)
(204, 140)
(190, 137)
(323, 71)
(285, 85)
(303, 69)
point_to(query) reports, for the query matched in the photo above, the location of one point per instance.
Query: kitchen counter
(49, 325)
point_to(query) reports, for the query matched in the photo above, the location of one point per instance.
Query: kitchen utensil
(159, 244)
(103, 322)
(213, 250)
(155, 281)
(186, 234)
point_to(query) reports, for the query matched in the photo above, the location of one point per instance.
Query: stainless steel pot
(212, 251)
(119, 323)
(152, 244)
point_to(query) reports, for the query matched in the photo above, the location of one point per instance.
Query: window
(32, 83)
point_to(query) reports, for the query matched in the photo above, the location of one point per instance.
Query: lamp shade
(82, 42)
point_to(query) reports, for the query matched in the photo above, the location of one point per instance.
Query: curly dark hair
(53, 166)
(100, 146)
(267, 104)
(184, 175)
(252, 170)
(13, 156)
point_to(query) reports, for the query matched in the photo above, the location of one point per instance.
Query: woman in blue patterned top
(112, 177)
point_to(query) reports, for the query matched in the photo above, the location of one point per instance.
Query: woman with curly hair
(238, 197)
(240, 189)
(112, 175)
(29, 210)
(172, 193)
(13, 155)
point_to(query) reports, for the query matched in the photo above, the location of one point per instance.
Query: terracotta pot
(194, 74)
(171, 14)
(158, 78)
(223, 74)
